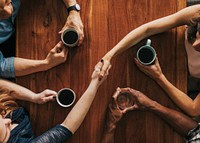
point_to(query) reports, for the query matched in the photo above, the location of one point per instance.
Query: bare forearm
(180, 98)
(178, 121)
(26, 66)
(109, 132)
(79, 111)
(16, 91)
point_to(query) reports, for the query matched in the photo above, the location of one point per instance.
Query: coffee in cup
(66, 97)
(146, 54)
(70, 37)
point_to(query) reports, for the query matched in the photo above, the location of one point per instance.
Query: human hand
(105, 65)
(45, 96)
(97, 71)
(154, 71)
(74, 21)
(114, 111)
(141, 101)
(57, 55)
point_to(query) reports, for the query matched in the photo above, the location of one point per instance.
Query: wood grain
(105, 24)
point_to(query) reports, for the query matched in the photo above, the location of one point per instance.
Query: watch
(74, 7)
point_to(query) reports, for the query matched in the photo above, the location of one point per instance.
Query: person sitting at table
(184, 125)
(11, 66)
(15, 125)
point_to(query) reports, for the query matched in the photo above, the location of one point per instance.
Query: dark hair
(191, 32)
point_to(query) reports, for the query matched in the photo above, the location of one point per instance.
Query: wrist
(108, 56)
(94, 84)
(46, 64)
(159, 78)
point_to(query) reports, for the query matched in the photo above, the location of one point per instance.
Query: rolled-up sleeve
(7, 69)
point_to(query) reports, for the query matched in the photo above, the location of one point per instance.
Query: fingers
(106, 65)
(127, 89)
(135, 92)
(47, 99)
(128, 109)
(81, 37)
(98, 67)
(139, 65)
(118, 90)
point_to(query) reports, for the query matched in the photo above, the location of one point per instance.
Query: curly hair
(7, 104)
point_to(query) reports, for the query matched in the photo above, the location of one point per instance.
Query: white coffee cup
(70, 37)
(66, 97)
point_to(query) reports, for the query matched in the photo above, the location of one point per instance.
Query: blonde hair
(7, 104)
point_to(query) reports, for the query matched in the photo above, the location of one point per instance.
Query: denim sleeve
(7, 69)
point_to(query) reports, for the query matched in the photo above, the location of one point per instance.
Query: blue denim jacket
(7, 69)
(6, 30)
(7, 25)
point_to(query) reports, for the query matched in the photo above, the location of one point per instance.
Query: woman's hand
(97, 71)
(45, 96)
(154, 71)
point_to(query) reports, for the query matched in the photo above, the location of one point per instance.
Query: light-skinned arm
(74, 20)
(79, 111)
(186, 16)
(56, 56)
(182, 100)
(22, 93)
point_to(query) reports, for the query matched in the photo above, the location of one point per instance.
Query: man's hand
(74, 21)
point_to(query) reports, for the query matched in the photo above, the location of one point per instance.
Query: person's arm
(177, 120)
(56, 56)
(183, 101)
(74, 20)
(79, 111)
(183, 17)
(22, 93)
(114, 115)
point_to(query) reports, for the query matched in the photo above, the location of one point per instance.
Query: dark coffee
(70, 37)
(124, 100)
(66, 97)
(146, 55)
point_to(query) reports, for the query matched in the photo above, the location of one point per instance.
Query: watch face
(78, 7)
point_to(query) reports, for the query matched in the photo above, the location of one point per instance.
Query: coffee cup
(146, 54)
(70, 37)
(66, 97)
(124, 100)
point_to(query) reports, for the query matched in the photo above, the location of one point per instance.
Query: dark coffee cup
(146, 54)
(66, 97)
(124, 100)
(70, 37)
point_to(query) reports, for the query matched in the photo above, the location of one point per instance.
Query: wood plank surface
(106, 22)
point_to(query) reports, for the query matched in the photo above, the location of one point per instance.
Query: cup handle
(148, 42)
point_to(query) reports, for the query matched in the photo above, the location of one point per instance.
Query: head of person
(193, 36)
(6, 9)
(7, 105)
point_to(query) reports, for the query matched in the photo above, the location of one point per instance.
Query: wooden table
(106, 22)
